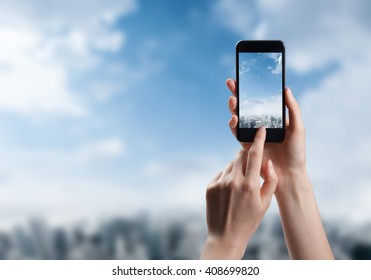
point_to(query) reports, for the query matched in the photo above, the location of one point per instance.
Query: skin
(304, 233)
(236, 203)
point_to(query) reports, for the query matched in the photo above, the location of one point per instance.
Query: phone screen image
(260, 70)
(260, 93)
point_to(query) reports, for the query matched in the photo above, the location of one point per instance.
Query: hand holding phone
(260, 71)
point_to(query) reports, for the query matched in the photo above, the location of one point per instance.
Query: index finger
(255, 154)
(231, 84)
(239, 165)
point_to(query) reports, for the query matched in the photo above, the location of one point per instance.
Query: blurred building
(144, 237)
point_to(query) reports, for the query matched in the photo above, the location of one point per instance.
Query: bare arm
(301, 221)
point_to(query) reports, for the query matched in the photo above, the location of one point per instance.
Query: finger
(255, 155)
(231, 84)
(269, 185)
(227, 170)
(233, 124)
(232, 104)
(245, 146)
(215, 178)
(233, 127)
(294, 110)
(239, 165)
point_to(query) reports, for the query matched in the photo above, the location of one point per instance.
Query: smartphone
(260, 81)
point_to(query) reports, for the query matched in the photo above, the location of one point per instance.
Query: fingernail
(289, 91)
(260, 133)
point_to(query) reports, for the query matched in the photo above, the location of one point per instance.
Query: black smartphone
(260, 77)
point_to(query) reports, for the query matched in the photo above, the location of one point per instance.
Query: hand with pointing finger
(236, 203)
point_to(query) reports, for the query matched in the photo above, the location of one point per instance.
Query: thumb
(269, 185)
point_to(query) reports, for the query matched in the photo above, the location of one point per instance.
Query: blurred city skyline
(144, 236)
(114, 107)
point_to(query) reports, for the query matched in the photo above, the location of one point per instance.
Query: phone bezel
(273, 134)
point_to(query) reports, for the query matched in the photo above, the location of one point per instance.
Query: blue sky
(260, 83)
(114, 106)
(260, 75)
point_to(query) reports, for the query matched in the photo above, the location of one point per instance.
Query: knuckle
(208, 194)
(211, 186)
(249, 185)
(274, 178)
(241, 153)
(253, 152)
(211, 191)
(232, 183)
(229, 166)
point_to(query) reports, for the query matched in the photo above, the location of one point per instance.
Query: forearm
(301, 221)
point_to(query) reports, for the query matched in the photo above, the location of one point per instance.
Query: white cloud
(269, 106)
(69, 184)
(69, 188)
(30, 85)
(244, 70)
(236, 14)
(106, 149)
(54, 15)
(185, 177)
(309, 29)
(45, 47)
(277, 58)
(43, 42)
(337, 121)
(122, 77)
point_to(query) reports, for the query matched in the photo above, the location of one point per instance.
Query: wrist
(223, 248)
(293, 184)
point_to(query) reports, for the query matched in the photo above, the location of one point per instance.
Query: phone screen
(260, 89)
